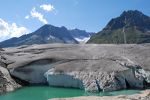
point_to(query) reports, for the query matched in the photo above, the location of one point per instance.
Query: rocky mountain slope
(81, 35)
(49, 34)
(90, 67)
(129, 27)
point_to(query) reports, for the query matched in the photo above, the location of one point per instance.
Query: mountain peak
(130, 13)
(130, 18)
(48, 26)
(131, 25)
(64, 28)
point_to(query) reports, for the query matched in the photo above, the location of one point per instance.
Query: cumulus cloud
(47, 7)
(8, 30)
(37, 15)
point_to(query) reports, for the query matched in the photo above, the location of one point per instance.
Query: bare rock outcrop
(7, 84)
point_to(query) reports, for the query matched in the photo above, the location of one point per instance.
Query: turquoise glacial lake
(45, 93)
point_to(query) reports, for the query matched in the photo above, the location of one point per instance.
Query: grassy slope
(117, 36)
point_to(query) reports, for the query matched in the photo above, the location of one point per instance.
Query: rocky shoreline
(144, 95)
(91, 67)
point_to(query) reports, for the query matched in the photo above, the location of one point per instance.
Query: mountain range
(130, 27)
(49, 34)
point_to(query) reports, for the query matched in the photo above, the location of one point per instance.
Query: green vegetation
(133, 26)
(117, 36)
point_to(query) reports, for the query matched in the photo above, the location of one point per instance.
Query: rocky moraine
(92, 67)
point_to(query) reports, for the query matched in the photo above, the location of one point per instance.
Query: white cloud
(38, 15)
(35, 14)
(27, 17)
(47, 7)
(8, 30)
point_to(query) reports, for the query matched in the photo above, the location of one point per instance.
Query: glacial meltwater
(45, 93)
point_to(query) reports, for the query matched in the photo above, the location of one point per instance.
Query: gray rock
(1, 49)
(92, 67)
(7, 84)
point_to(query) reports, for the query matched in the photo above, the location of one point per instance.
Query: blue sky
(89, 15)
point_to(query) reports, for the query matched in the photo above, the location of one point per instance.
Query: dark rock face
(130, 19)
(1, 49)
(81, 35)
(90, 67)
(133, 25)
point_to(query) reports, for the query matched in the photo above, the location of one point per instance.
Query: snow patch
(82, 39)
(50, 37)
